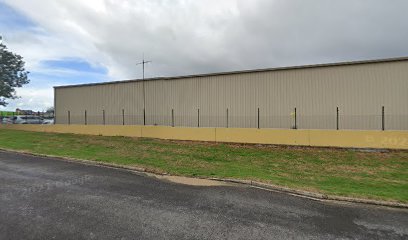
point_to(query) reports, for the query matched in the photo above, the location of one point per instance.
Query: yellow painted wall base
(321, 138)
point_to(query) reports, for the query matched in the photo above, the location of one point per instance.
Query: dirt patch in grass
(191, 181)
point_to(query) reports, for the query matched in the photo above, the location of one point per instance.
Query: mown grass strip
(344, 172)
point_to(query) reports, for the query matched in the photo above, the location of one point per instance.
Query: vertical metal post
(144, 95)
(55, 109)
(337, 118)
(172, 117)
(258, 118)
(69, 117)
(295, 120)
(227, 117)
(383, 118)
(103, 117)
(144, 116)
(198, 117)
(86, 119)
(123, 116)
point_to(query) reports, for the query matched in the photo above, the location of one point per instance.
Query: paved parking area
(43, 198)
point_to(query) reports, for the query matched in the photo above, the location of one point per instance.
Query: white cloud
(201, 36)
(37, 99)
(183, 37)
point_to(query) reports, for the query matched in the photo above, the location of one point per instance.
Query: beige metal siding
(359, 91)
(96, 99)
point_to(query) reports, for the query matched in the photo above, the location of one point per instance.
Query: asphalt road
(42, 198)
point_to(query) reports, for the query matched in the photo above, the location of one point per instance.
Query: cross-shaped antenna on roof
(143, 88)
(143, 64)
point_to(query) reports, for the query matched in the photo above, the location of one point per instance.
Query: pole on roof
(143, 79)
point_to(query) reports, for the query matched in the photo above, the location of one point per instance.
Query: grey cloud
(184, 37)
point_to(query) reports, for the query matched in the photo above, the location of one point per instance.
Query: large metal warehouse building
(352, 95)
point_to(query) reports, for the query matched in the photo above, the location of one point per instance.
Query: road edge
(255, 184)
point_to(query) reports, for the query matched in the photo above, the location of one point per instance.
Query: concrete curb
(314, 195)
(256, 184)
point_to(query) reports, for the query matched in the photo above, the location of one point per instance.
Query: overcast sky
(80, 41)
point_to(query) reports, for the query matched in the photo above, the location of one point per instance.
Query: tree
(12, 74)
(50, 110)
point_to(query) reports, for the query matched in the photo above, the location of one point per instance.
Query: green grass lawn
(374, 175)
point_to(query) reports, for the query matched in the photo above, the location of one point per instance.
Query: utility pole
(143, 86)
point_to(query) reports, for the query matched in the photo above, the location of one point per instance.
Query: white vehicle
(6, 120)
(48, 121)
(29, 119)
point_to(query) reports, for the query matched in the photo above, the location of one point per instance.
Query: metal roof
(244, 71)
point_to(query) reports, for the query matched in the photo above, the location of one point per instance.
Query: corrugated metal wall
(359, 91)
